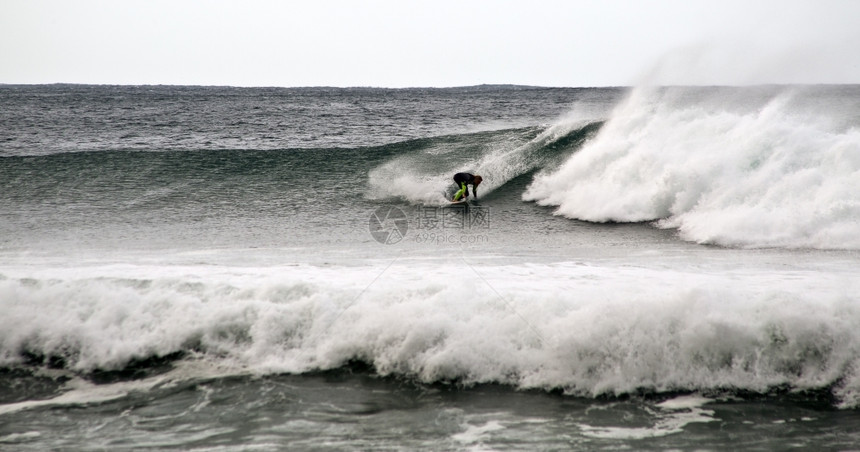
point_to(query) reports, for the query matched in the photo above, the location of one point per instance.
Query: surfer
(463, 180)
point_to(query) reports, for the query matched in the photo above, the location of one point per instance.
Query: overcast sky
(399, 43)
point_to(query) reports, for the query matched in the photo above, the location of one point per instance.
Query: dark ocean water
(208, 268)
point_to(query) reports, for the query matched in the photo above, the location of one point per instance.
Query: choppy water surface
(188, 268)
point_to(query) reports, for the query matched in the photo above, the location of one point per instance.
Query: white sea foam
(75, 392)
(671, 417)
(687, 402)
(78, 391)
(20, 437)
(590, 329)
(780, 171)
(477, 433)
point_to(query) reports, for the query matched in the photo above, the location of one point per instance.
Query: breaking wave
(765, 167)
(587, 329)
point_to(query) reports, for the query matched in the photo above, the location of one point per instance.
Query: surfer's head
(478, 180)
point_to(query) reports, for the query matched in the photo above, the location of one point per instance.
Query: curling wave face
(422, 172)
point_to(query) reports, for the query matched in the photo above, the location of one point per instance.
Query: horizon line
(481, 85)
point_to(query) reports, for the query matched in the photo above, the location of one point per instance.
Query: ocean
(256, 269)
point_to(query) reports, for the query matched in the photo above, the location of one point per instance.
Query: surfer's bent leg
(460, 193)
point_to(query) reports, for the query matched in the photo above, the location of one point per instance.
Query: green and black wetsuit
(463, 180)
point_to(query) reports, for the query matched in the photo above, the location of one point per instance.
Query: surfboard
(459, 202)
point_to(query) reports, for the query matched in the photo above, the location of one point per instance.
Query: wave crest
(772, 172)
(589, 329)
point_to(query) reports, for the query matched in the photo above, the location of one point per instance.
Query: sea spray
(766, 172)
(424, 174)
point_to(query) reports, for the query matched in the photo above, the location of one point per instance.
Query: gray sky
(429, 43)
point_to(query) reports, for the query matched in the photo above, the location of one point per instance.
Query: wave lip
(775, 174)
